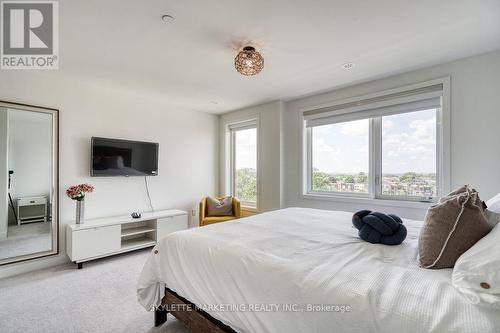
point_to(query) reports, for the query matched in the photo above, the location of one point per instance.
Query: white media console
(97, 238)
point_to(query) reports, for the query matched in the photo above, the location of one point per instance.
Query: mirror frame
(55, 181)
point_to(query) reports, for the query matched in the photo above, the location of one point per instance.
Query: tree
(361, 178)
(246, 184)
(349, 179)
(408, 177)
(320, 181)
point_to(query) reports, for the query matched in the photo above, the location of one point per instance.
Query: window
(409, 166)
(243, 143)
(340, 159)
(381, 148)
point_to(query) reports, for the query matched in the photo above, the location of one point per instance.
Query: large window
(243, 144)
(340, 158)
(409, 165)
(391, 151)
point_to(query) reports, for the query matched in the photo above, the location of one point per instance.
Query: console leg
(80, 265)
(160, 316)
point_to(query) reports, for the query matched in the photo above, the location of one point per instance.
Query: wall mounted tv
(113, 157)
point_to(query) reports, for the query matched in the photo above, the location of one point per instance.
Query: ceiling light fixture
(249, 62)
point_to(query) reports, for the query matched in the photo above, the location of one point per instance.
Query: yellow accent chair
(206, 220)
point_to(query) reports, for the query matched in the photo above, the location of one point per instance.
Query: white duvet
(295, 258)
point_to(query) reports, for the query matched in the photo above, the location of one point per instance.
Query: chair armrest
(236, 208)
(202, 210)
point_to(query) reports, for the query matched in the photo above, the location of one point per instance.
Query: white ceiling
(190, 61)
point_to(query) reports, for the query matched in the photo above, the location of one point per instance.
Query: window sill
(366, 200)
(249, 209)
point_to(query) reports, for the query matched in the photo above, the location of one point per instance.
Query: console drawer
(94, 242)
(30, 201)
(171, 224)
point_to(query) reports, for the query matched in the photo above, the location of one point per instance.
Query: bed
(305, 270)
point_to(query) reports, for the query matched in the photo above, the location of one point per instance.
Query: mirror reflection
(27, 225)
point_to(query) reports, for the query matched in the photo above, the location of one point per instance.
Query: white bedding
(308, 256)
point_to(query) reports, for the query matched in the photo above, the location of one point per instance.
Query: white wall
(269, 151)
(4, 132)
(475, 118)
(188, 147)
(30, 153)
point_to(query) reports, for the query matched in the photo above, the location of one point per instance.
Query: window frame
(231, 130)
(375, 153)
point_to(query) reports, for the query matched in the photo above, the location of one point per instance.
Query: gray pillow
(222, 207)
(451, 227)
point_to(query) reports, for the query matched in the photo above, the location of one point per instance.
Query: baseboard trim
(18, 268)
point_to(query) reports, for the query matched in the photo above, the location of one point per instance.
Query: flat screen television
(113, 157)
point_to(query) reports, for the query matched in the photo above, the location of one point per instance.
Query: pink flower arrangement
(77, 192)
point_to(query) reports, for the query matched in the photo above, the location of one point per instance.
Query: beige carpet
(99, 298)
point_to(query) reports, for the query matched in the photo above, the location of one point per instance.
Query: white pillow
(477, 272)
(494, 203)
(493, 210)
(493, 218)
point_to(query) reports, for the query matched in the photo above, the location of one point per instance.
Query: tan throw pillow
(222, 207)
(451, 227)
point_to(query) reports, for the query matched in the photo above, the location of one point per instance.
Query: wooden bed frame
(195, 319)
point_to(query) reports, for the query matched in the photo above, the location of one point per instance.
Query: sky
(246, 149)
(408, 144)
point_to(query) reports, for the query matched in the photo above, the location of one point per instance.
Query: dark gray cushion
(381, 228)
(222, 207)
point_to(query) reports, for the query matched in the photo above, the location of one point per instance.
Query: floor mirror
(28, 182)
